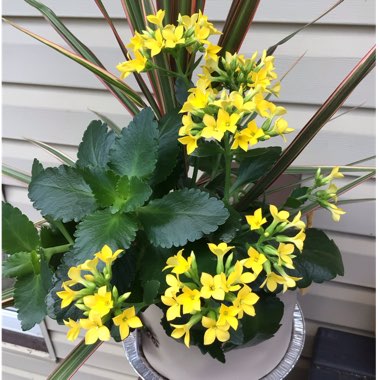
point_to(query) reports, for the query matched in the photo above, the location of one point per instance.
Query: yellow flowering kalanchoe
(98, 300)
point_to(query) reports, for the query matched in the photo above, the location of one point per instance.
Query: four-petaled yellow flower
(190, 300)
(285, 255)
(174, 285)
(90, 265)
(106, 254)
(68, 296)
(100, 303)
(157, 18)
(272, 281)
(125, 320)
(138, 64)
(180, 331)
(156, 44)
(256, 220)
(173, 36)
(212, 287)
(219, 250)
(214, 331)
(174, 310)
(244, 302)
(336, 211)
(190, 141)
(255, 261)
(212, 52)
(95, 329)
(178, 263)
(278, 216)
(227, 315)
(74, 331)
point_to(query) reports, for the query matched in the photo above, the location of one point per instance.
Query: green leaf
(94, 149)
(124, 271)
(72, 362)
(37, 168)
(30, 293)
(292, 201)
(256, 165)
(62, 193)
(135, 152)
(131, 194)
(319, 261)
(266, 322)
(181, 90)
(18, 265)
(96, 230)
(18, 232)
(207, 149)
(150, 291)
(168, 146)
(228, 230)
(181, 216)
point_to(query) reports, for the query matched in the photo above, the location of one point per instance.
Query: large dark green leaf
(96, 230)
(181, 216)
(30, 293)
(269, 312)
(19, 233)
(168, 146)
(94, 149)
(319, 261)
(135, 152)
(62, 193)
(18, 265)
(256, 165)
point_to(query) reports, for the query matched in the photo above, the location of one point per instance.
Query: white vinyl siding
(47, 97)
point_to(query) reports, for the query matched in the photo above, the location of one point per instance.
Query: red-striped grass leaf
(310, 169)
(76, 358)
(328, 109)
(81, 49)
(16, 174)
(272, 49)
(53, 151)
(109, 78)
(237, 24)
(140, 81)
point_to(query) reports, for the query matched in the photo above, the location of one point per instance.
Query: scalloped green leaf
(18, 265)
(96, 230)
(181, 216)
(62, 193)
(94, 149)
(30, 293)
(18, 232)
(135, 152)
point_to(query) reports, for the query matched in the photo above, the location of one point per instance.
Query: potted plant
(164, 224)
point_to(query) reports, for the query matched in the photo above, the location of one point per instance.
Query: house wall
(47, 97)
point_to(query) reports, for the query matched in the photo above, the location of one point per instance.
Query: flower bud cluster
(215, 302)
(99, 301)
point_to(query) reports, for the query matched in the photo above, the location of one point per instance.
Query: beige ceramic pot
(173, 360)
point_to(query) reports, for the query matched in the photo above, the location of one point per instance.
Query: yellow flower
(278, 216)
(68, 295)
(136, 42)
(187, 125)
(106, 254)
(297, 222)
(262, 106)
(336, 212)
(174, 310)
(180, 331)
(201, 33)
(281, 127)
(179, 264)
(191, 142)
(95, 329)
(173, 36)
(157, 18)
(334, 174)
(198, 99)
(238, 101)
(211, 130)
(275, 89)
(190, 300)
(174, 285)
(241, 139)
(90, 265)
(212, 52)
(255, 261)
(227, 315)
(74, 274)
(74, 331)
(212, 287)
(138, 64)
(100, 303)
(227, 122)
(285, 255)
(272, 281)
(214, 331)
(245, 301)
(297, 240)
(125, 320)
(256, 220)
(254, 132)
(156, 44)
(219, 250)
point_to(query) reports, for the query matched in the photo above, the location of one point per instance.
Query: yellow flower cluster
(273, 260)
(191, 33)
(98, 300)
(228, 94)
(217, 302)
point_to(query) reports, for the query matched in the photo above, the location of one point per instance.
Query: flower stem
(227, 159)
(49, 252)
